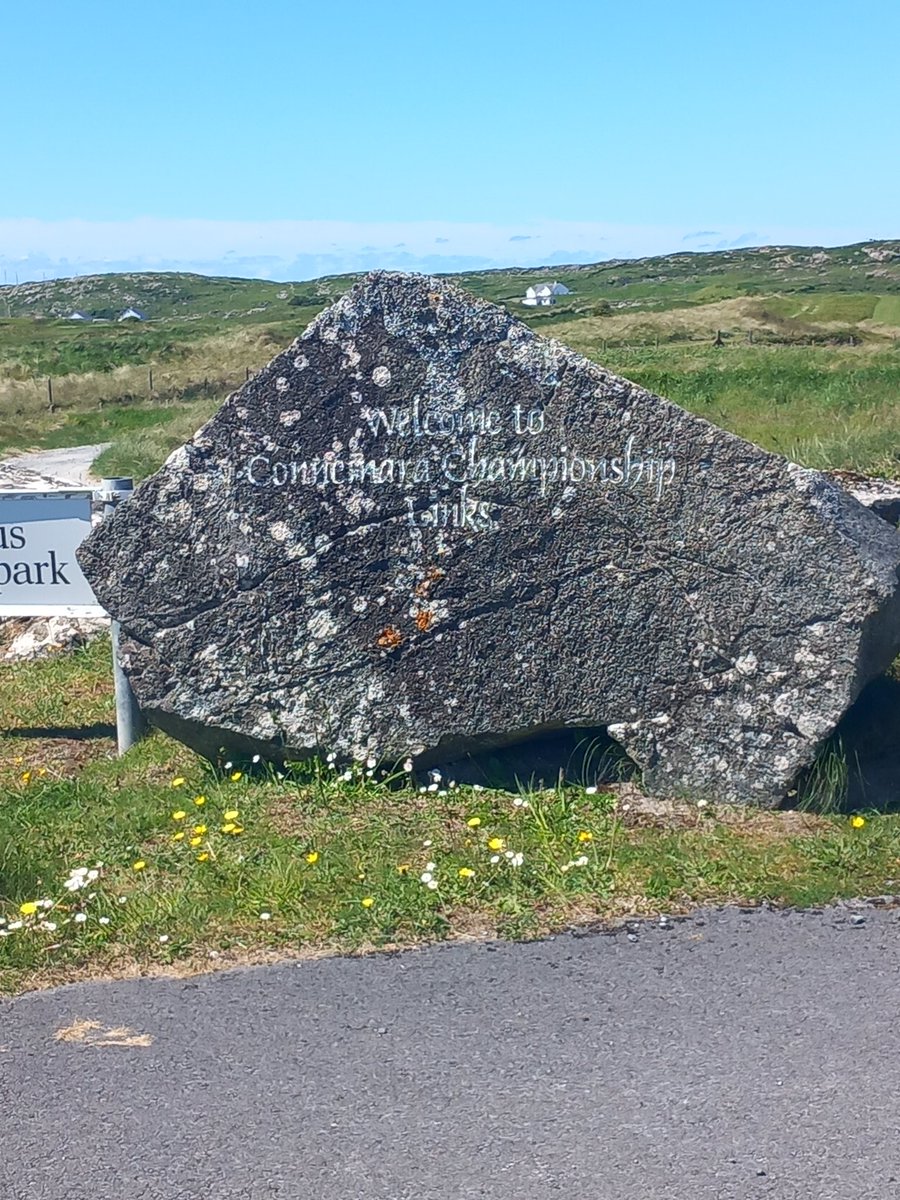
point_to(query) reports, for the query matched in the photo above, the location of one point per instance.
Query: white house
(78, 316)
(544, 293)
(132, 314)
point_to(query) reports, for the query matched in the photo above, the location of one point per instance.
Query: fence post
(130, 723)
(50, 394)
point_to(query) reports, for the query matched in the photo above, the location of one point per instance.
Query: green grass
(337, 864)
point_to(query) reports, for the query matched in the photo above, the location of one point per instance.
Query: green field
(807, 361)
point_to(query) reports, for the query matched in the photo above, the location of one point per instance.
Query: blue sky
(291, 138)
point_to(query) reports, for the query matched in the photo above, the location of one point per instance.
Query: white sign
(39, 575)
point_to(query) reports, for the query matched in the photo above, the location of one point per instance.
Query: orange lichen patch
(390, 638)
(424, 620)
(432, 575)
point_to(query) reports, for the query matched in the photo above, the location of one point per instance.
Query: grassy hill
(806, 360)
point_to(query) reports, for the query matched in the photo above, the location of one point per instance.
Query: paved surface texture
(47, 468)
(734, 1056)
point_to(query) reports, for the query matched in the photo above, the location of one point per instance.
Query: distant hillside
(165, 295)
(646, 284)
(796, 348)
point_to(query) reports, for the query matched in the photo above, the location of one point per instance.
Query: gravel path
(47, 468)
(733, 1056)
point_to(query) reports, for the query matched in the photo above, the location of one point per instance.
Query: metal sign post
(130, 723)
(40, 575)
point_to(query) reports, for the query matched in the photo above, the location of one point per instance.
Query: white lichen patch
(179, 511)
(281, 384)
(808, 658)
(291, 417)
(178, 459)
(381, 376)
(321, 625)
(280, 531)
(747, 664)
(301, 362)
(360, 604)
(322, 543)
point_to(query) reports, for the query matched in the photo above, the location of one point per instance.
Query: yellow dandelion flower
(312, 857)
(585, 836)
(199, 829)
(229, 827)
(235, 776)
(195, 841)
(42, 771)
(139, 865)
(496, 843)
(238, 829)
(367, 901)
(402, 868)
(466, 872)
(179, 815)
(857, 822)
(28, 909)
(177, 837)
(231, 815)
(473, 822)
(26, 777)
(178, 781)
(199, 801)
(203, 857)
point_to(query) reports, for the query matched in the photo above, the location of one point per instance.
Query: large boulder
(424, 530)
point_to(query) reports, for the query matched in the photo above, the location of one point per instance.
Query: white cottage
(544, 293)
(132, 314)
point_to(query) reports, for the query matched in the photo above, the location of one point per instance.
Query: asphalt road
(731, 1057)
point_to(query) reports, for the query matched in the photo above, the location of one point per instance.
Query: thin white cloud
(34, 249)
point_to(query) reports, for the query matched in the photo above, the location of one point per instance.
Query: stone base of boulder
(38, 637)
